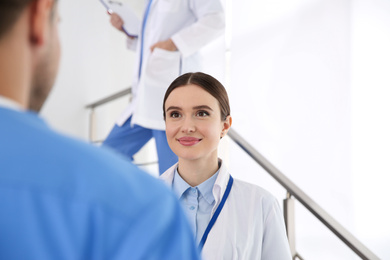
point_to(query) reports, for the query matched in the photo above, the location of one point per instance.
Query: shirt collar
(206, 188)
(9, 103)
(180, 186)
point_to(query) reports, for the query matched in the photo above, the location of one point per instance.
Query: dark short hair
(10, 11)
(208, 83)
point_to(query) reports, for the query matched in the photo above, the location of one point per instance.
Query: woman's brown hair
(208, 83)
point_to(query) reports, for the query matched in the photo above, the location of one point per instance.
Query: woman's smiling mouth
(188, 141)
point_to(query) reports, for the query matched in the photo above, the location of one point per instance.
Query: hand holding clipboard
(131, 24)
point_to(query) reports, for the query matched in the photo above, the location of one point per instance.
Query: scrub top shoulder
(66, 199)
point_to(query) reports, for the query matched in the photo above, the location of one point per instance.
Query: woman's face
(193, 123)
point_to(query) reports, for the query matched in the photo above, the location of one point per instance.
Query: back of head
(29, 49)
(9, 13)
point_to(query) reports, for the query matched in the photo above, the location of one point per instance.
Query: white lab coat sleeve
(131, 43)
(210, 25)
(275, 243)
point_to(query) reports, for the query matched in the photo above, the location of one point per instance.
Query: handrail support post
(91, 125)
(289, 219)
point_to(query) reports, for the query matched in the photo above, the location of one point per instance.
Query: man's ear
(40, 11)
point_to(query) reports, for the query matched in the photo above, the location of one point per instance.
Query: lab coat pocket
(162, 68)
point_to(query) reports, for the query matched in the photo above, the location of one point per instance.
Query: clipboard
(131, 23)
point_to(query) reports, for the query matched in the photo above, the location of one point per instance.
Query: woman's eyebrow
(202, 107)
(173, 108)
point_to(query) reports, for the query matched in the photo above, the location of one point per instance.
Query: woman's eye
(174, 115)
(202, 113)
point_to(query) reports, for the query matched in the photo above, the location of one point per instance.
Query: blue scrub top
(65, 199)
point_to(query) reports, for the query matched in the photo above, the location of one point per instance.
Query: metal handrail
(100, 102)
(109, 98)
(353, 243)
(344, 235)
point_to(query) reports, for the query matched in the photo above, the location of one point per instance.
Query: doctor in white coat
(172, 34)
(231, 219)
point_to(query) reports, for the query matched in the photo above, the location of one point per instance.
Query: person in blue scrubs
(62, 198)
(231, 219)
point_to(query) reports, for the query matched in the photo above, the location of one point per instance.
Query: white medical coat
(191, 24)
(250, 225)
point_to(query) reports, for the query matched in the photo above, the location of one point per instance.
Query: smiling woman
(194, 128)
(230, 219)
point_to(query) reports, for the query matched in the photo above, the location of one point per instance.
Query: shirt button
(192, 208)
(193, 190)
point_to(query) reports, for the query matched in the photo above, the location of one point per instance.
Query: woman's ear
(227, 123)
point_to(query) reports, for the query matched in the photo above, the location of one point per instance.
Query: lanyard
(142, 37)
(216, 214)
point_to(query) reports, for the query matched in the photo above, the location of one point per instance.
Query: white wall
(370, 122)
(95, 63)
(308, 86)
(290, 60)
(306, 69)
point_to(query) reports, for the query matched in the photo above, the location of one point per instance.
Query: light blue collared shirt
(197, 201)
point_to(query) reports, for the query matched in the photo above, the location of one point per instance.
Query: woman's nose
(188, 126)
